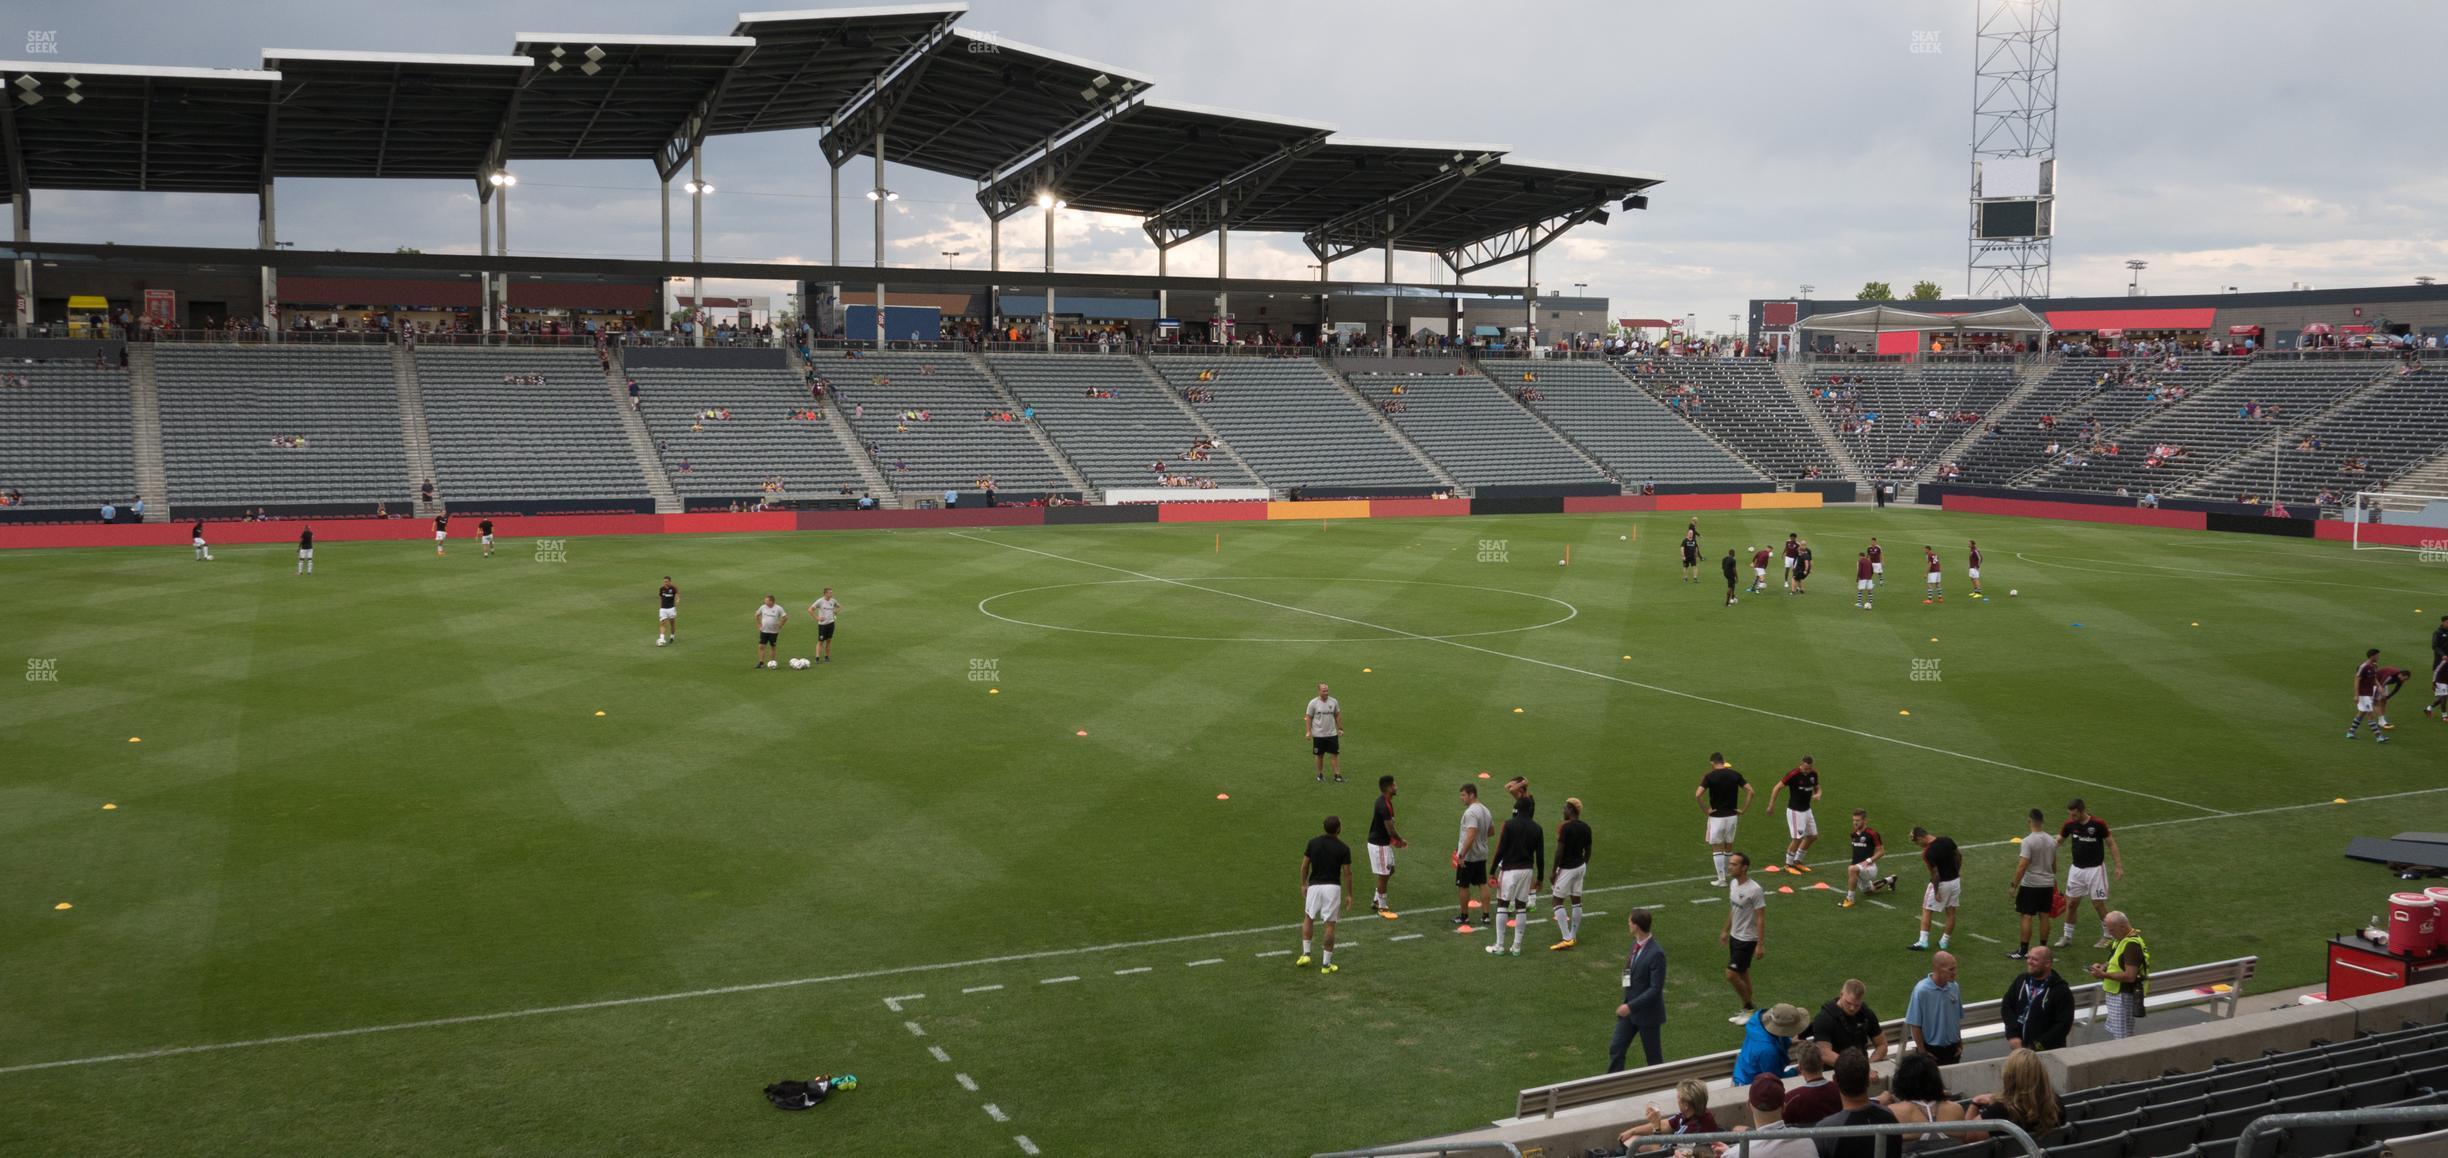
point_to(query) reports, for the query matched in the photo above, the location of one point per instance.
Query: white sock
(1304, 946)
(1575, 934)
(1328, 959)
(1719, 859)
(1521, 925)
(1381, 900)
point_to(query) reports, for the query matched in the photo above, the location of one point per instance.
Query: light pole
(698, 189)
(948, 255)
(2423, 280)
(1806, 290)
(1047, 201)
(2133, 289)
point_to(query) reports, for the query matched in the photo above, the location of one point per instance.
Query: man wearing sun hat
(1767, 1045)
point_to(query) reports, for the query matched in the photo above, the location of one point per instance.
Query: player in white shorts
(441, 531)
(1325, 887)
(203, 551)
(2090, 850)
(1520, 859)
(1571, 868)
(306, 551)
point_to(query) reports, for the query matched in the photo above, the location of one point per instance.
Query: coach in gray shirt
(1471, 852)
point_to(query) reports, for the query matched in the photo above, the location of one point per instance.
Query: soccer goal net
(2398, 509)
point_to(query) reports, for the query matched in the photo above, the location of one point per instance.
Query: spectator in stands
(2125, 974)
(1917, 1093)
(1768, 1102)
(1845, 1022)
(2039, 1006)
(1767, 1042)
(1691, 1116)
(428, 491)
(2025, 1096)
(110, 511)
(1934, 1016)
(1811, 1096)
(1853, 1090)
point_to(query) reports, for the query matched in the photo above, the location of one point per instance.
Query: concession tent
(1898, 331)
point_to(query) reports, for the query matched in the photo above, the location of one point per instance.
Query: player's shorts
(1942, 895)
(1568, 882)
(1933, 578)
(1324, 903)
(1759, 573)
(1381, 859)
(1691, 558)
(1326, 746)
(198, 542)
(2087, 883)
(824, 631)
(306, 553)
(1864, 584)
(667, 614)
(1866, 869)
(1721, 829)
(2035, 900)
(1738, 954)
(1972, 574)
(1470, 874)
(1801, 822)
(2363, 703)
(441, 535)
(1878, 568)
(1513, 886)
(1789, 562)
(487, 540)
(2437, 690)
(768, 638)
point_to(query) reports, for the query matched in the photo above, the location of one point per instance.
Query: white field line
(1982, 937)
(1407, 937)
(939, 1053)
(932, 967)
(1026, 1146)
(996, 1112)
(1273, 953)
(2208, 574)
(981, 989)
(1208, 961)
(966, 1082)
(1128, 972)
(1059, 980)
(1550, 664)
(916, 1030)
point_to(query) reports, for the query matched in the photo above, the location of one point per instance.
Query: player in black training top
(1520, 860)
(1726, 795)
(1382, 841)
(1729, 565)
(484, 532)
(441, 532)
(667, 618)
(1945, 891)
(1691, 552)
(1861, 871)
(1571, 865)
(1801, 824)
(306, 551)
(204, 553)
(1325, 889)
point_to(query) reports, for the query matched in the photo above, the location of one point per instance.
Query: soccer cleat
(2063, 941)
(1887, 883)
(1919, 946)
(1739, 1018)
(1321, 778)
(1301, 962)
(1562, 945)
(1517, 949)
(1846, 903)
(1388, 914)
(1330, 969)
(2387, 727)
(2379, 738)
(1461, 918)
(1925, 603)
(2016, 955)
(1338, 778)
(1495, 950)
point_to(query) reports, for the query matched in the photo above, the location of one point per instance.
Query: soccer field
(443, 856)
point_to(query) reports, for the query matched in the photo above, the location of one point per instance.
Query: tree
(407, 249)
(1925, 290)
(1876, 291)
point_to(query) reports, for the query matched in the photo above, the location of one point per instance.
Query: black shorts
(824, 631)
(1738, 954)
(767, 638)
(1326, 745)
(1470, 874)
(1691, 558)
(2035, 900)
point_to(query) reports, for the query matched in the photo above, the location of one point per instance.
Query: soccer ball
(2012, 591)
(660, 641)
(799, 663)
(773, 663)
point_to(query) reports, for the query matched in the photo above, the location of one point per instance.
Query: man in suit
(1643, 1011)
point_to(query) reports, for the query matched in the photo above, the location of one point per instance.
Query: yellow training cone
(994, 691)
(1367, 670)
(1627, 657)
(2339, 800)
(1903, 711)
(109, 807)
(599, 712)
(135, 739)
(63, 905)
(1517, 711)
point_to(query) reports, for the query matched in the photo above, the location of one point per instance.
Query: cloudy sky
(2249, 143)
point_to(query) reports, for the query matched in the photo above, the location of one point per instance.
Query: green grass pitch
(589, 895)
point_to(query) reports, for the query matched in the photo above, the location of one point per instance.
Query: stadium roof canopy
(1884, 319)
(1019, 121)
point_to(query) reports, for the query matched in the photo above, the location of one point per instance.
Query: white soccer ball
(2012, 591)
(799, 663)
(773, 663)
(1623, 538)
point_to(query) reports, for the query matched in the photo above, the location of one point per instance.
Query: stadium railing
(1737, 1142)
(2218, 984)
(2275, 1128)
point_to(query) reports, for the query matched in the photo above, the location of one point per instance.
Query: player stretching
(1878, 562)
(1691, 552)
(1521, 859)
(204, 551)
(1945, 892)
(2392, 679)
(1801, 824)
(1325, 889)
(306, 551)
(484, 534)
(1759, 570)
(2367, 693)
(667, 618)
(770, 617)
(1933, 593)
(2089, 847)
(1571, 866)
(1793, 554)
(1725, 795)
(441, 532)
(1382, 841)
(1972, 567)
(826, 609)
(1865, 581)
(1861, 874)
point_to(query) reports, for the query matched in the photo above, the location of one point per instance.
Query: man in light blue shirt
(951, 498)
(1935, 1016)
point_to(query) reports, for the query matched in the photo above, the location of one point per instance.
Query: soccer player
(1972, 567)
(306, 551)
(1691, 552)
(826, 609)
(1725, 794)
(1861, 873)
(1729, 565)
(1878, 561)
(484, 534)
(1759, 570)
(2392, 679)
(1571, 866)
(2439, 681)
(770, 617)
(1933, 593)
(1323, 721)
(1793, 553)
(1945, 891)
(2089, 847)
(2367, 692)
(667, 618)
(204, 553)
(1471, 853)
(2035, 883)
(1802, 567)
(441, 532)
(1865, 581)
(1746, 925)
(1521, 859)
(1325, 889)
(1382, 841)
(1801, 824)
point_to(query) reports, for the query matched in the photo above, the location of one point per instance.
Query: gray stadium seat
(763, 438)
(221, 406)
(1292, 424)
(498, 441)
(68, 437)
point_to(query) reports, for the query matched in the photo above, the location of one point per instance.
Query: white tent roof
(1880, 319)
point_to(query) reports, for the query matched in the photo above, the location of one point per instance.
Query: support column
(667, 221)
(697, 245)
(1530, 295)
(994, 264)
(1389, 280)
(267, 238)
(833, 300)
(1215, 329)
(21, 224)
(484, 248)
(501, 246)
(1162, 297)
(879, 241)
(1049, 289)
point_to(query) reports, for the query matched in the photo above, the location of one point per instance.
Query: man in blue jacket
(1767, 1043)
(1643, 1011)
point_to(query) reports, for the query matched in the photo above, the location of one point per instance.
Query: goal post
(2415, 522)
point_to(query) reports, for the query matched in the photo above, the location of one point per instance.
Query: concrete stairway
(1070, 470)
(871, 472)
(1731, 451)
(641, 443)
(1553, 431)
(2027, 379)
(152, 485)
(1190, 411)
(413, 436)
(1387, 425)
(1847, 467)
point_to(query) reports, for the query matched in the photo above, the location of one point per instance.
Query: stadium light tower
(2014, 148)
(2133, 287)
